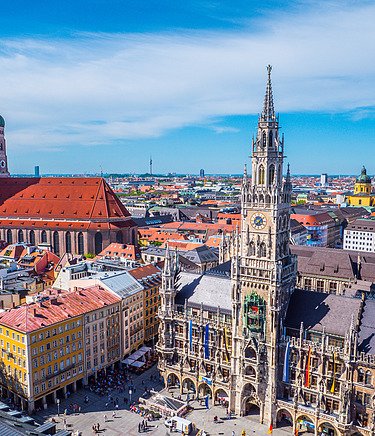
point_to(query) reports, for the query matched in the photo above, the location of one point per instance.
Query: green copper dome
(363, 178)
(2, 121)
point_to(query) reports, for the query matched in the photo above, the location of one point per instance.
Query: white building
(360, 235)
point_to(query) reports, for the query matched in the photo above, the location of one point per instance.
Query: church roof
(363, 177)
(59, 198)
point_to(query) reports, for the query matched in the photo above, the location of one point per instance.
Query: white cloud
(97, 88)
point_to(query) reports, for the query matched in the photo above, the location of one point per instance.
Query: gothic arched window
(262, 250)
(32, 237)
(271, 174)
(20, 236)
(98, 242)
(119, 237)
(252, 249)
(270, 140)
(368, 378)
(261, 175)
(264, 139)
(56, 243)
(9, 236)
(68, 242)
(81, 249)
(44, 236)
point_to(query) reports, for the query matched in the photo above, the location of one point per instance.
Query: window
(368, 378)
(320, 285)
(360, 376)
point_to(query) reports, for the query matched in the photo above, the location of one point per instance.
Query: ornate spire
(268, 113)
(167, 261)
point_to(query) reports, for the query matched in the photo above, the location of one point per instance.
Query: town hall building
(243, 334)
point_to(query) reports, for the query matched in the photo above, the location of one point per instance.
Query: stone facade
(227, 337)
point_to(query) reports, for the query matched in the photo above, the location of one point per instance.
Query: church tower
(3, 155)
(263, 271)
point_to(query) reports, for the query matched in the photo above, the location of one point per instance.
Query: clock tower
(263, 271)
(3, 155)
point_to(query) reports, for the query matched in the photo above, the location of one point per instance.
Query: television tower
(150, 165)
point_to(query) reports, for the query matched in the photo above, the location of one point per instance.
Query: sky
(103, 84)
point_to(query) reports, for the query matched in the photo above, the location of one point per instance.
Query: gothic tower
(263, 270)
(3, 155)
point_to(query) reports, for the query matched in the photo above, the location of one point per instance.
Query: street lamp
(58, 407)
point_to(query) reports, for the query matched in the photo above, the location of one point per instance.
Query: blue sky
(102, 84)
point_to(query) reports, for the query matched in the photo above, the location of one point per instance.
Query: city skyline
(108, 85)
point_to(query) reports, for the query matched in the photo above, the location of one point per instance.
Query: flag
(333, 383)
(226, 345)
(206, 338)
(206, 402)
(286, 364)
(296, 432)
(270, 429)
(307, 374)
(191, 335)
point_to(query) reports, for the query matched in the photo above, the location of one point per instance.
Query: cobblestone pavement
(126, 422)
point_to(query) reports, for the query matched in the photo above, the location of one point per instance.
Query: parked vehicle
(179, 424)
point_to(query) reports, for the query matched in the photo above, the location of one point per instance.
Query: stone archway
(327, 429)
(173, 380)
(284, 418)
(204, 389)
(250, 402)
(305, 424)
(221, 397)
(189, 385)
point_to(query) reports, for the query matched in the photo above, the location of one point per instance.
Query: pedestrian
(139, 427)
(105, 418)
(98, 426)
(114, 414)
(79, 409)
(116, 406)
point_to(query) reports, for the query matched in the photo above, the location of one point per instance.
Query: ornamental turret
(3, 155)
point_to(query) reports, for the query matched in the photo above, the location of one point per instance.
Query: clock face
(258, 221)
(2, 164)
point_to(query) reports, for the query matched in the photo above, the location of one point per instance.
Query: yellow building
(43, 348)
(362, 191)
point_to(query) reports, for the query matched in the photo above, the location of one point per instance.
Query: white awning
(129, 360)
(137, 354)
(145, 349)
(137, 364)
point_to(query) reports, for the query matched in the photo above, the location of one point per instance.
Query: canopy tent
(137, 364)
(129, 360)
(145, 349)
(137, 354)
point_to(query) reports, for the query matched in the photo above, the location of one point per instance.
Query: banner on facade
(206, 380)
(286, 364)
(333, 372)
(191, 335)
(307, 374)
(226, 345)
(206, 339)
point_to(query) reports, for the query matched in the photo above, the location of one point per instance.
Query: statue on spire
(268, 114)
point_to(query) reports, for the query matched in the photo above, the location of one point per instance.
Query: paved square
(126, 422)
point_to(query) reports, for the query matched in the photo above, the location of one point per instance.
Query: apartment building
(43, 345)
(360, 235)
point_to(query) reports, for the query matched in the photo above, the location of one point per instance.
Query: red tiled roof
(120, 250)
(71, 198)
(58, 308)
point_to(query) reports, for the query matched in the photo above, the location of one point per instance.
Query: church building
(362, 191)
(65, 214)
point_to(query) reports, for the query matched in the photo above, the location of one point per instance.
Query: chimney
(13, 305)
(34, 311)
(54, 301)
